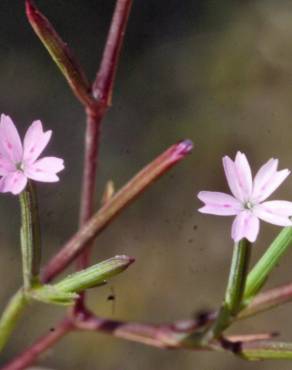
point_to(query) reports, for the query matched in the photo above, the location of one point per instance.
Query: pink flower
(246, 203)
(18, 162)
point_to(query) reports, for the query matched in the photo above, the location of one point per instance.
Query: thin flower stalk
(234, 291)
(30, 237)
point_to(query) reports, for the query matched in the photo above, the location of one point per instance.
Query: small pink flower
(18, 162)
(248, 196)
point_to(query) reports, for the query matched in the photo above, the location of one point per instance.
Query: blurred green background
(217, 72)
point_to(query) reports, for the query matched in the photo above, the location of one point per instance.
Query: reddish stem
(29, 356)
(102, 91)
(89, 175)
(164, 336)
(267, 300)
(103, 85)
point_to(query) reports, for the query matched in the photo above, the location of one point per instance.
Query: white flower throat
(248, 205)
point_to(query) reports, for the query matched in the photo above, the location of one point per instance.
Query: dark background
(217, 72)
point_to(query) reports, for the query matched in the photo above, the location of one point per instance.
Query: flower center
(248, 205)
(20, 166)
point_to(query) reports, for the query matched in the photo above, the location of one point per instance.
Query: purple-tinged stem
(103, 85)
(164, 336)
(91, 151)
(268, 300)
(249, 338)
(102, 92)
(114, 206)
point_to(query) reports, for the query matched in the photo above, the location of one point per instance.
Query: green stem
(30, 236)
(260, 272)
(11, 315)
(234, 291)
(266, 350)
(237, 276)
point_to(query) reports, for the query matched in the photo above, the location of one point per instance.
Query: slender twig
(268, 300)
(114, 206)
(102, 92)
(103, 85)
(91, 151)
(163, 336)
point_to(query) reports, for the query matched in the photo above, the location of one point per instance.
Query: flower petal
(275, 212)
(45, 169)
(14, 183)
(244, 174)
(10, 143)
(263, 176)
(235, 173)
(274, 182)
(245, 225)
(6, 166)
(35, 141)
(219, 203)
(279, 207)
(267, 180)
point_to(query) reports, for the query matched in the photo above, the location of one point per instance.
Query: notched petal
(13, 182)
(45, 169)
(245, 225)
(217, 203)
(35, 141)
(10, 143)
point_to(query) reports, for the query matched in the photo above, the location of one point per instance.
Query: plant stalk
(30, 236)
(234, 291)
(11, 315)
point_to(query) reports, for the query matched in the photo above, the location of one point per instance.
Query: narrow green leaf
(51, 295)
(94, 275)
(66, 291)
(261, 271)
